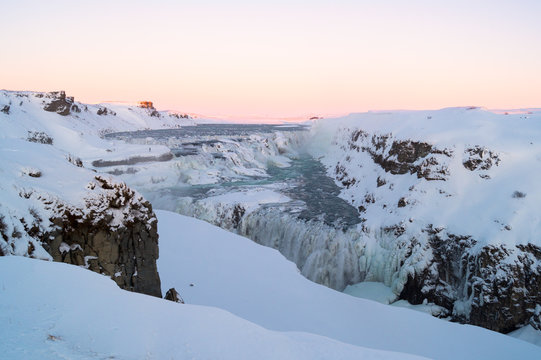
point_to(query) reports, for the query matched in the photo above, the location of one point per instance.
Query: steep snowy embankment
(52, 311)
(449, 204)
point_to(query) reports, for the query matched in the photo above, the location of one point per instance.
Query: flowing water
(316, 229)
(306, 177)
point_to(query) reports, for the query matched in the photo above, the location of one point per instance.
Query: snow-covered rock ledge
(449, 201)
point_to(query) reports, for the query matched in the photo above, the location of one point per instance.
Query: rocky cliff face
(496, 287)
(60, 103)
(114, 233)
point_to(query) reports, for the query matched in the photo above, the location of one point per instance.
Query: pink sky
(294, 58)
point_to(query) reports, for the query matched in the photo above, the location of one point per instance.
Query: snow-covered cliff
(449, 203)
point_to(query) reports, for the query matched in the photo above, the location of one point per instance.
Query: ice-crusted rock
(173, 295)
(402, 156)
(480, 159)
(114, 233)
(103, 110)
(496, 287)
(39, 137)
(60, 103)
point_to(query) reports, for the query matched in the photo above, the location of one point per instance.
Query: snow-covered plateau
(432, 210)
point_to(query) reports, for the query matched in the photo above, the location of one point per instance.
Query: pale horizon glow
(277, 59)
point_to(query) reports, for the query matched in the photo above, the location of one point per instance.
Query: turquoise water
(305, 181)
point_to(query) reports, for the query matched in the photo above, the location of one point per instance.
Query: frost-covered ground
(213, 267)
(58, 311)
(52, 311)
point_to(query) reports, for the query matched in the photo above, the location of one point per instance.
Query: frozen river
(260, 182)
(304, 180)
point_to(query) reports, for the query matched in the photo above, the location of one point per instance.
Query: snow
(259, 285)
(527, 333)
(464, 203)
(54, 310)
(370, 290)
(86, 316)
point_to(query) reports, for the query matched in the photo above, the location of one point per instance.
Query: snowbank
(213, 267)
(52, 310)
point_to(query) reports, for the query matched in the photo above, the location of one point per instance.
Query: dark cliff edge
(114, 233)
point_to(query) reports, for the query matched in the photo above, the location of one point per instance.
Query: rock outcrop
(173, 295)
(496, 287)
(114, 233)
(400, 157)
(60, 103)
(102, 111)
(480, 159)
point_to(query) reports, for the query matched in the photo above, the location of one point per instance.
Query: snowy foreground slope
(58, 311)
(213, 267)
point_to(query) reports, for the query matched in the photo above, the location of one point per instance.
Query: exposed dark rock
(60, 104)
(496, 287)
(174, 296)
(238, 213)
(518, 195)
(343, 177)
(369, 198)
(402, 202)
(39, 137)
(105, 111)
(396, 230)
(74, 160)
(402, 156)
(114, 234)
(480, 158)
(180, 116)
(5, 109)
(75, 108)
(34, 173)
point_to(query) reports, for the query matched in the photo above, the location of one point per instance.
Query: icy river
(258, 181)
